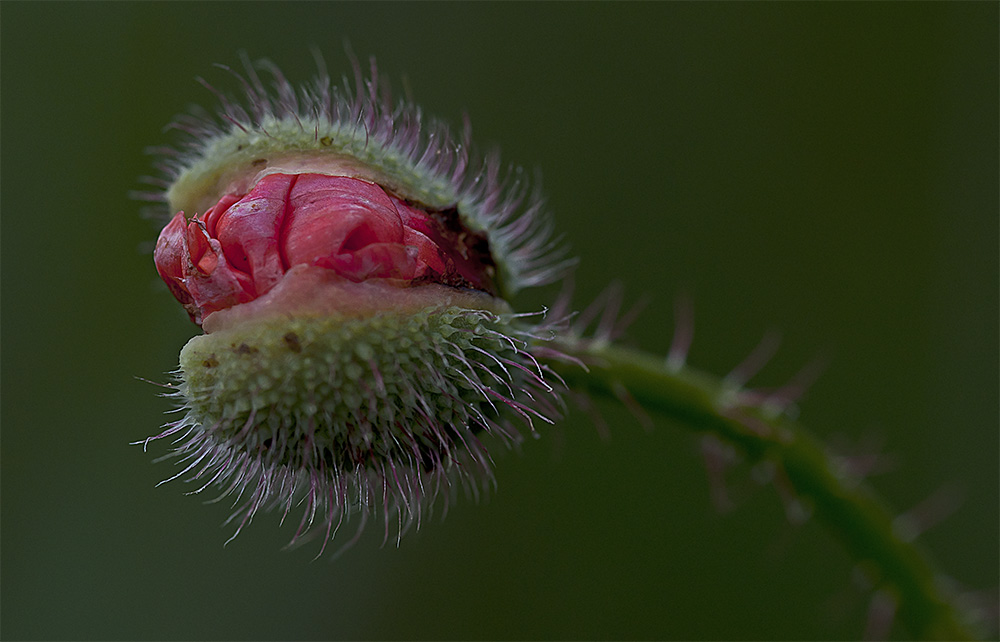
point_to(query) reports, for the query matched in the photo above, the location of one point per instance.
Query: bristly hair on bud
(350, 263)
(354, 415)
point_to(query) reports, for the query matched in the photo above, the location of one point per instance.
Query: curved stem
(850, 509)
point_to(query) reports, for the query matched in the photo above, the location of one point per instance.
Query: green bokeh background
(826, 170)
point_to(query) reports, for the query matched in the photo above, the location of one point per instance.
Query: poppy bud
(349, 265)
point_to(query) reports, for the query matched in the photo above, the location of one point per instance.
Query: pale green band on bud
(232, 161)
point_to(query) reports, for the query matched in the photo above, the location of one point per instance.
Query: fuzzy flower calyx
(359, 131)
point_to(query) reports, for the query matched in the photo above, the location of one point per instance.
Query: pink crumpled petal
(213, 283)
(243, 246)
(248, 229)
(333, 215)
(169, 257)
(374, 261)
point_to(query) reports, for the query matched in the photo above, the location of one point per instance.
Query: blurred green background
(826, 170)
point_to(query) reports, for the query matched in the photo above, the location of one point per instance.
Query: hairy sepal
(345, 414)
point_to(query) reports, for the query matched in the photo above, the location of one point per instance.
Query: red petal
(377, 260)
(248, 229)
(242, 247)
(413, 218)
(428, 255)
(333, 215)
(169, 257)
(208, 277)
(452, 260)
(211, 217)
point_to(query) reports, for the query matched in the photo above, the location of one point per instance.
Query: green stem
(850, 509)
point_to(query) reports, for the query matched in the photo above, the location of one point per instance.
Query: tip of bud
(360, 132)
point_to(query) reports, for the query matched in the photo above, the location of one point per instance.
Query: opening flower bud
(349, 265)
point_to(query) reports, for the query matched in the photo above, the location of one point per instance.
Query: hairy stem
(706, 404)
